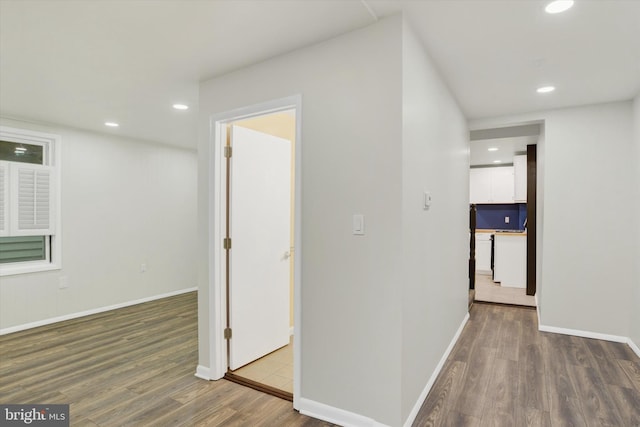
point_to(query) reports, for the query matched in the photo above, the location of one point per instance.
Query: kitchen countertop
(502, 233)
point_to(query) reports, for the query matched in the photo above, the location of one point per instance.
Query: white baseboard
(204, 373)
(583, 334)
(634, 347)
(586, 334)
(349, 419)
(71, 316)
(537, 309)
(423, 396)
(335, 415)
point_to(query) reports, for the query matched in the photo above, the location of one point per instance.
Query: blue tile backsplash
(492, 216)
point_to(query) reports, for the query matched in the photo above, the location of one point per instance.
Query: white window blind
(4, 202)
(31, 199)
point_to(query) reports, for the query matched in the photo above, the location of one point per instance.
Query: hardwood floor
(132, 367)
(504, 372)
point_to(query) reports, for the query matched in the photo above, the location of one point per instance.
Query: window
(29, 201)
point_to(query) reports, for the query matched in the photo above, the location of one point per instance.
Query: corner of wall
(435, 285)
(634, 328)
(434, 376)
(360, 68)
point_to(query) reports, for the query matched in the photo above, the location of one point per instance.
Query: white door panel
(260, 213)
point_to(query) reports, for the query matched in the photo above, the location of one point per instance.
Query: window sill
(27, 267)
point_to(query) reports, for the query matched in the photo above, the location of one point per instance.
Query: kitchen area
(498, 197)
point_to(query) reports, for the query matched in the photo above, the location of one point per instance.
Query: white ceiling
(498, 146)
(507, 148)
(80, 63)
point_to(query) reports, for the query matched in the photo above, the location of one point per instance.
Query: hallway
(503, 371)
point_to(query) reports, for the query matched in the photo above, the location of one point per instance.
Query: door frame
(535, 187)
(532, 209)
(216, 224)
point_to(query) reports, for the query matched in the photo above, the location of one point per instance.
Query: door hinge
(228, 151)
(227, 333)
(226, 243)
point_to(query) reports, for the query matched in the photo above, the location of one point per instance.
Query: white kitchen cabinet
(483, 252)
(491, 185)
(510, 259)
(502, 185)
(520, 174)
(479, 185)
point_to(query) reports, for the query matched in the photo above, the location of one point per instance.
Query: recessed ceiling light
(180, 107)
(558, 6)
(492, 149)
(497, 161)
(111, 124)
(545, 89)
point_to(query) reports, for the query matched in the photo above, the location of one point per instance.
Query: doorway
(260, 274)
(503, 214)
(224, 358)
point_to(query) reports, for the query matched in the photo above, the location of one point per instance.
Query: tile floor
(275, 369)
(487, 290)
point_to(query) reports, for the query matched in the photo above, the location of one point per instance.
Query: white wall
(589, 182)
(635, 308)
(435, 242)
(351, 163)
(365, 150)
(123, 203)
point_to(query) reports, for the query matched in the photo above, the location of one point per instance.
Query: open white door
(260, 215)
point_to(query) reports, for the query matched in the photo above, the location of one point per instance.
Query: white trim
(217, 182)
(52, 156)
(586, 334)
(334, 415)
(216, 305)
(204, 373)
(349, 419)
(423, 396)
(634, 347)
(297, 259)
(71, 316)
(28, 266)
(583, 334)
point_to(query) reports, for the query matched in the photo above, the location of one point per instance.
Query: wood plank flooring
(132, 367)
(504, 372)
